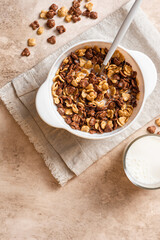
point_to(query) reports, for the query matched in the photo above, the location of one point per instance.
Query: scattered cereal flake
(31, 42)
(62, 12)
(68, 18)
(43, 14)
(40, 30)
(25, 52)
(89, 6)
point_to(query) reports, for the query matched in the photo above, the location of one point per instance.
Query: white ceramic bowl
(146, 74)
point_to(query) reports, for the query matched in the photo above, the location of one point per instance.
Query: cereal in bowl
(91, 102)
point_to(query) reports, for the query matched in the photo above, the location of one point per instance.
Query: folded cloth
(67, 155)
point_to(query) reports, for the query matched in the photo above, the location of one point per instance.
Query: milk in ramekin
(142, 161)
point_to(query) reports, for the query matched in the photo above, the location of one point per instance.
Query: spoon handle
(121, 32)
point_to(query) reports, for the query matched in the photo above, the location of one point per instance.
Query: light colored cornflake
(54, 86)
(68, 104)
(54, 94)
(85, 71)
(90, 88)
(56, 100)
(73, 73)
(87, 121)
(78, 79)
(113, 67)
(97, 68)
(127, 70)
(103, 51)
(68, 111)
(68, 18)
(88, 64)
(80, 75)
(64, 69)
(110, 123)
(43, 14)
(80, 104)
(40, 30)
(81, 100)
(89, 6)
(85, 128)
(110, 113)
(96, 125)
(105, 86)
(106, 67)
(157, 122)
(126, 96)
(91, 96)
(31, 42)
(74, 108)
(123, 106)
(58, 77)
(62, 12)
(121, 121)
(57, 73)
(74, 83)
(117, 54)
(113, 91)
(110, 74)
(96, 48)
(103, 124)
(81, 52)
(82, 62)
(121, 113)
(65, 61)
(129, 110)
(138, 96)
(100, 104)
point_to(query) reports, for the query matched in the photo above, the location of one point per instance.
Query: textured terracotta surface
(100, 204)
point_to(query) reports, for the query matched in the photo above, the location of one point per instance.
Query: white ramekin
(147, 76)
(128, 174)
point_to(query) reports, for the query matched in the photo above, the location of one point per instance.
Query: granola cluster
(91, 102)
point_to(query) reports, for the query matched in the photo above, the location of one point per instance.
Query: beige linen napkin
(67, 155)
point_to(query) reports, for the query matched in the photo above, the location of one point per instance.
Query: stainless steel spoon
(122, 31)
